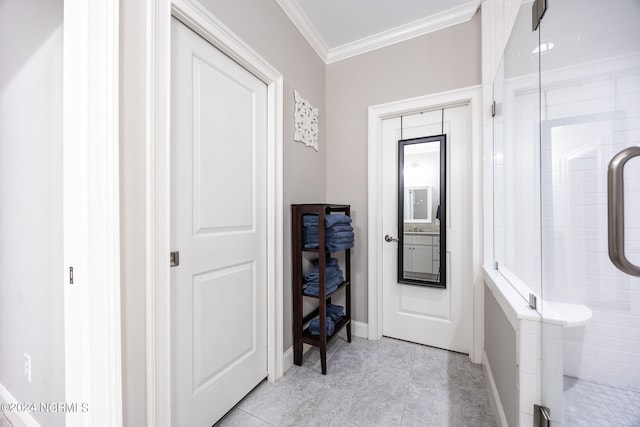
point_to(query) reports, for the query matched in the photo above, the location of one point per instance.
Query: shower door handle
(615, 186)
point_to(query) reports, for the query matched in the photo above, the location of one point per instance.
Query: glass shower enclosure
(567, 201)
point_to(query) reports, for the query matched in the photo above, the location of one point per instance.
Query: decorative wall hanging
(306, 122)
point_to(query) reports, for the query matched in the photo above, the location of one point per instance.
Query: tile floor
(371, 383)
(591, 404)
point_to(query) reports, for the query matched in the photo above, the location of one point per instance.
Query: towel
(332, 235)
(336, 312)
(335, 247)
(332, 269)
(314, 326)
(314, 274)
(313, 229)
(313, 288)
(313, 238)
(333, 219)
(311, 241)
(329, 220)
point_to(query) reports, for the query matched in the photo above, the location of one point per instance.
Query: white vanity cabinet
(421, 253)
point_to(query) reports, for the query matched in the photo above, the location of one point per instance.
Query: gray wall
(500, 346)
(436, 62)
(270, 33)
(31, 274)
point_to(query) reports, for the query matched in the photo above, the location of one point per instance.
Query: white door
(218, 224)
(426, 315)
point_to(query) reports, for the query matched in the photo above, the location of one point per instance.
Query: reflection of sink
(431, 233)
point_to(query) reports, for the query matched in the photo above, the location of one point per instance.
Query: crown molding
(439, 21)
(429, 24)
(302, 23)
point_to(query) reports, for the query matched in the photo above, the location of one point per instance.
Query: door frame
(91, 212)
(471, 96)
(158, 107)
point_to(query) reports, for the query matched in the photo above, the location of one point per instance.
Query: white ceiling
(344, 21)
(339, 29)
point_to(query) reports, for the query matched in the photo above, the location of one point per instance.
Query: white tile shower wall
(587, 118)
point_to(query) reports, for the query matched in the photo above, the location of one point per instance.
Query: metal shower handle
(615, 185)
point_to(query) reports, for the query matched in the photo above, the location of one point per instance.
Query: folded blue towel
(342, 237)
(313, 229)
(329, 220)
(329, 282)
(333, 219)
(314, 274)
(310, 219)
(314, 326)
(336, 312)
(335, 247)
(313, 288)
(331, 235)
(339, 227)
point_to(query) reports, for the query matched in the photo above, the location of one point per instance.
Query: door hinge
(71, 275)
(541, 417)
(493, 109)
(175, 259)
(538, 9)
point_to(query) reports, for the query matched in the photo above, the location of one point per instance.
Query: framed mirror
(422, 211)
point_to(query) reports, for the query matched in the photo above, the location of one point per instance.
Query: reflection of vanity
(421, 255)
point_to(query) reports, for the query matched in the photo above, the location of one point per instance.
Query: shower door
(589, 93)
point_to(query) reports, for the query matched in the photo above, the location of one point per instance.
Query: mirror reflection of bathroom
(420, 210)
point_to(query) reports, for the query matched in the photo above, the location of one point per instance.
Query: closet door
(218, 224)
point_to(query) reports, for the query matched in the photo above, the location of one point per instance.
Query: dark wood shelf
(309, 338)
(301, 335)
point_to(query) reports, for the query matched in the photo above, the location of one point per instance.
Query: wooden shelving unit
(301, 334)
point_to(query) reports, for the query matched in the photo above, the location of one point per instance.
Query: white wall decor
(306, 122)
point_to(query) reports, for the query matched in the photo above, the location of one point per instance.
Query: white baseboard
(359, 329)
(287, 360)
(18, 419)
(495, 397)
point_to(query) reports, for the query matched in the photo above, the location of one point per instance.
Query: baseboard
(495, 397)
(360, 329)
(16, 418)
(287, 359)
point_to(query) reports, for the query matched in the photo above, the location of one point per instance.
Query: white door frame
(158, 330)
(471, 96)
(91, 212)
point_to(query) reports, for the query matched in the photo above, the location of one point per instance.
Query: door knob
(390, 239)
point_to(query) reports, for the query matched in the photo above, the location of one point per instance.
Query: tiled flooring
(372, 383)
(590, 404)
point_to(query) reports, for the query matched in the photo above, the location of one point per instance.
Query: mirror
(421, 211)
